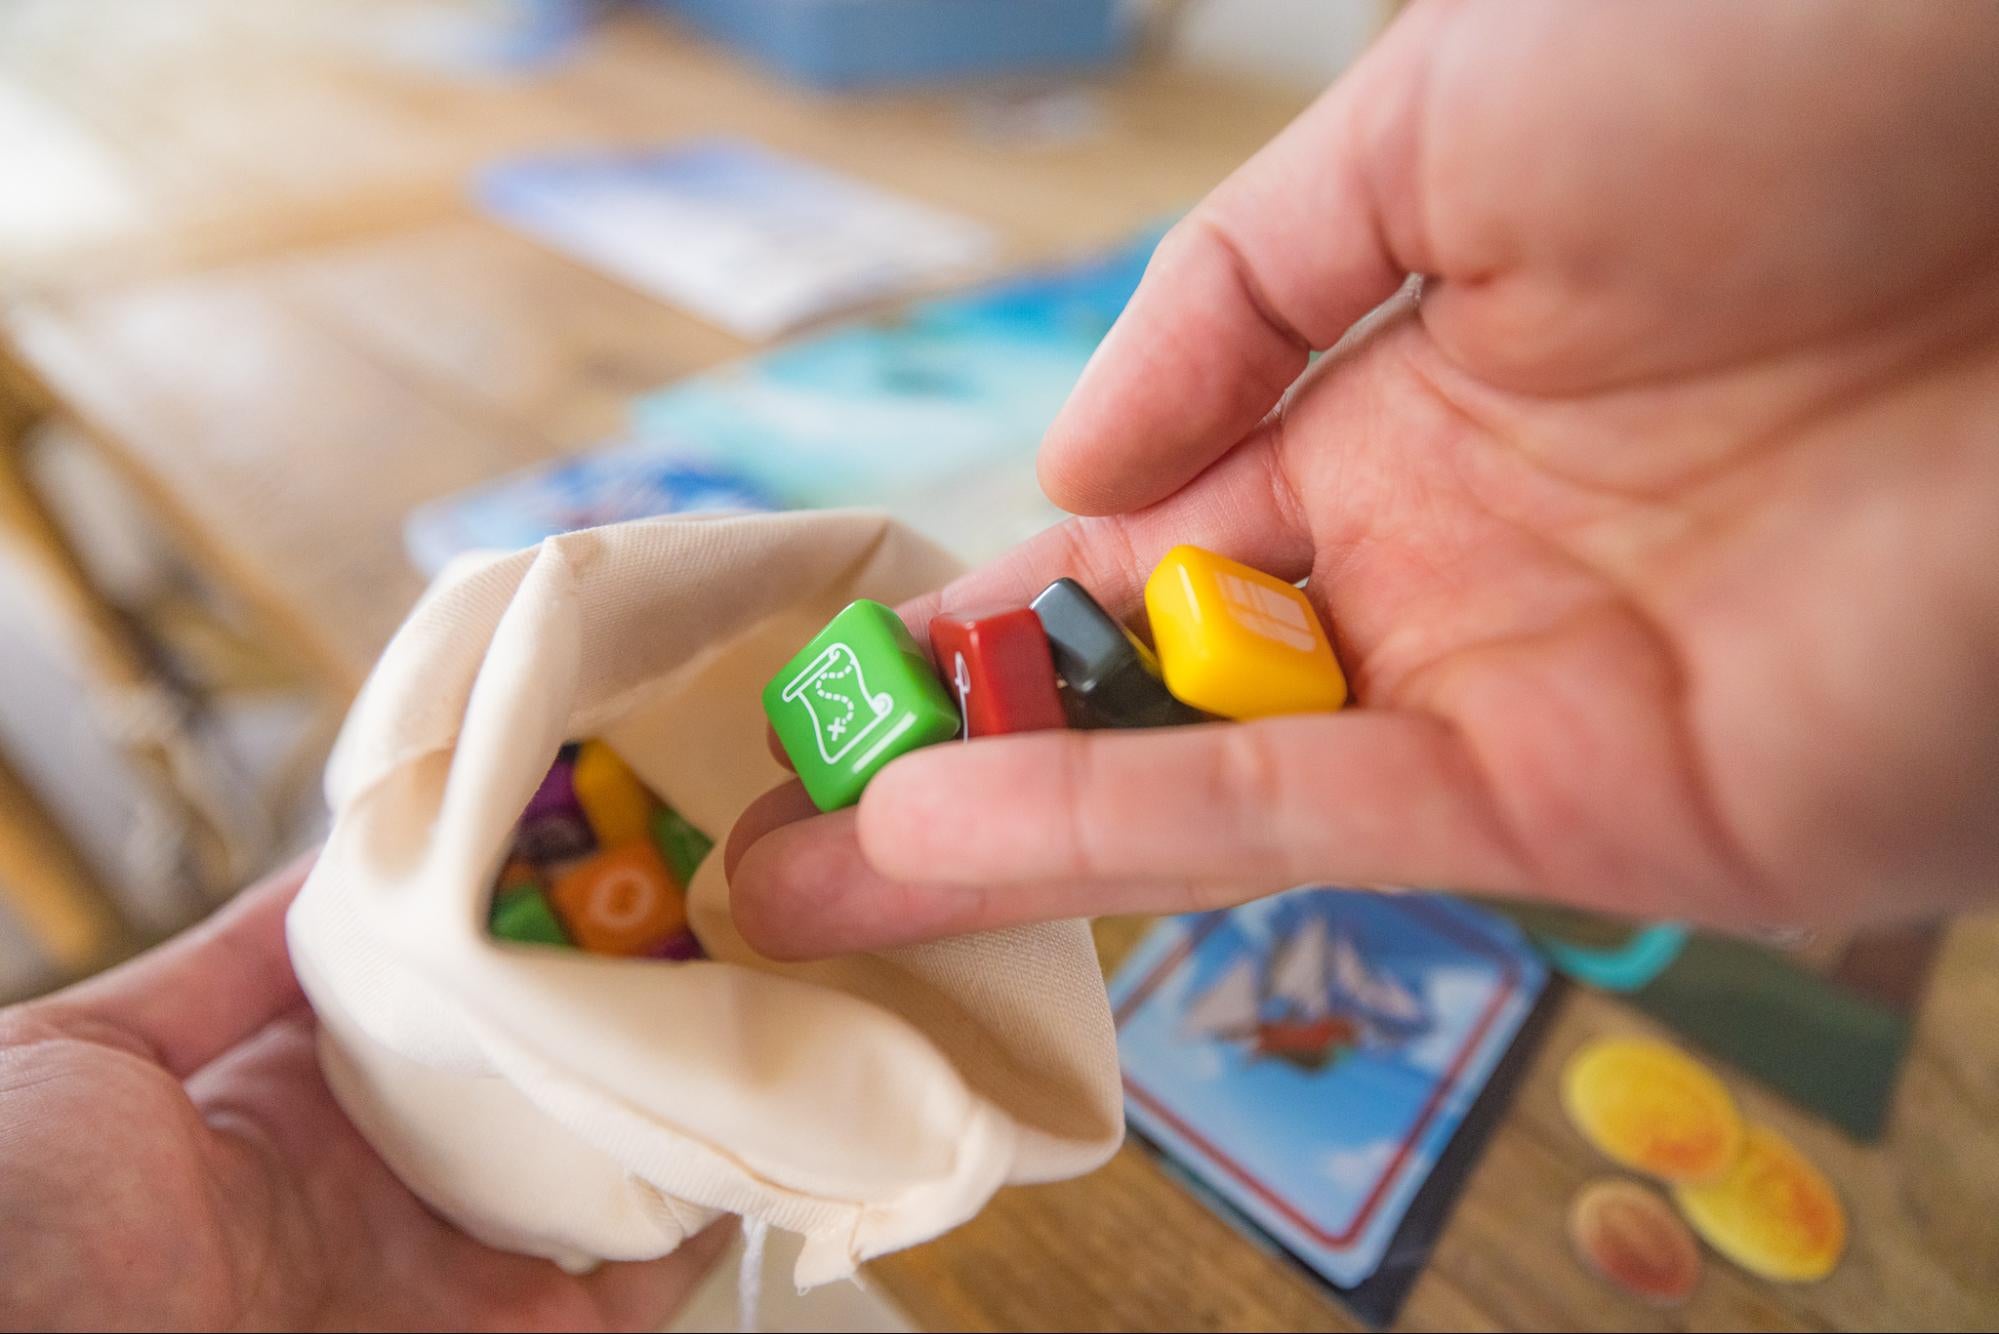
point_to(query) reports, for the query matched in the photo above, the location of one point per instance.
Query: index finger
(1280, 259)
(1242, 507)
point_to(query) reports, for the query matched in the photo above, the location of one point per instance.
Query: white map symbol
(834, 691)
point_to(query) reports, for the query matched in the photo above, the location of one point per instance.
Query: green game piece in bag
(523, 914)
(680, 843)
(859, 695)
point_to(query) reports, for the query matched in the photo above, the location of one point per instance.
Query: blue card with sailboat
(1308, 1057)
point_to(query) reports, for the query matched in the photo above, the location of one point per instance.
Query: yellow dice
(1237, 642)
(615, 803)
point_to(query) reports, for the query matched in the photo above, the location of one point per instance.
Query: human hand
(1657, 541)
(171, 1159)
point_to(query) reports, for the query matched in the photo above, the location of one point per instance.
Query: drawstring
(750, 1274)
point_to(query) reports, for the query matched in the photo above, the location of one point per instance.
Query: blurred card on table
(745, 238)
(932, 412)
(619, 480)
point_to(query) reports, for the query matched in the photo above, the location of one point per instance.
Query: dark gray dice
(1110, 678)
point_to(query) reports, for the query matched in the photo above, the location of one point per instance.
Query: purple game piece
(556, 795)
(555, 837)
(681, 947)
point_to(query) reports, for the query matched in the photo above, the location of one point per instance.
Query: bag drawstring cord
(749, 1274)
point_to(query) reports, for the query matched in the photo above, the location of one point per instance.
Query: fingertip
(1083, 463)
(699, 1252)
(896, 808)
(1063, 445)
(896, 811)
(1062, 470)
(756, 903)
(790, 890)
(782, 805)
(777, 750)
(806, 891)
(942, 814)
(646, 1294)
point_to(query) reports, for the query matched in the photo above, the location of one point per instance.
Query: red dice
(998, 668)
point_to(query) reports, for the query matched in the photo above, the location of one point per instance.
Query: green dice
(522, 913)
(860, 694)
(680, 843)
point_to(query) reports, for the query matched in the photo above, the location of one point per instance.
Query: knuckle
(1082, 852)
(1252, 795)
(1183, 236)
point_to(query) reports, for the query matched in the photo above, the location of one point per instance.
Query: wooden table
(289, 358)
(287, 328)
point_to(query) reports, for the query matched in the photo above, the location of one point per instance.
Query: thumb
(188, 1001)
(1279, 260)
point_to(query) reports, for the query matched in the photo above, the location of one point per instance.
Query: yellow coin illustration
(1774, 1213)
(1652, 1108)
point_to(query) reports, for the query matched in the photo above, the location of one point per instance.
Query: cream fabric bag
(585, 1108)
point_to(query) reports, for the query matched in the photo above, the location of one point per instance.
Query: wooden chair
(152, 718)
(72, 923)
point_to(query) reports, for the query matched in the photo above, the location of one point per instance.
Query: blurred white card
(749, 240)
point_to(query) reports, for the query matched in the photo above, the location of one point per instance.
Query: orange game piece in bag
(621, 901)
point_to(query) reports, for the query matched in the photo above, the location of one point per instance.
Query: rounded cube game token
(622, 901)
(1652, 1108)
(558, 837)
(1237, 642)
(860, 694)
(556, 795)
(683, 846)
(680, 947)
(1631, 1238)
(999, 665)
(1773, 1213)
(522, 914)
(1110, 678)
(615, 803)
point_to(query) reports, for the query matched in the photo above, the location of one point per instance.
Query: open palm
(1657, 536)
(171, 1159)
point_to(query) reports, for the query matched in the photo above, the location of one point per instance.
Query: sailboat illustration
(1314, 998)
